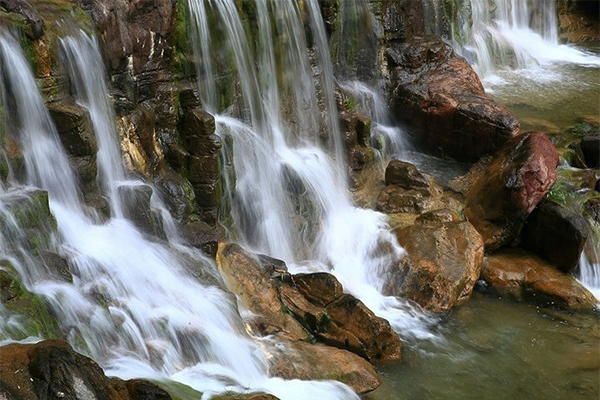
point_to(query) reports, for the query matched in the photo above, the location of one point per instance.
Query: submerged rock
(523, 275)
(52, 370)
(443, 262)
(516, 180)
(440, 99)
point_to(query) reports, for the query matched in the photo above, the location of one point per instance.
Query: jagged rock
(32, 17)
(442, 264)
(245, 277)
(52, 370)
(516, 180)
(75, 129)
(316, 301)
(136, 204)
(405, 174)
(555, 233)
(300, 360)
(57, 265)
(338, 319)
(201, 235)
(178, 195)
(578, 21)
(523, 275)
(441, 101)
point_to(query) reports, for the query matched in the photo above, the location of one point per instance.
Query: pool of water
(495, 348)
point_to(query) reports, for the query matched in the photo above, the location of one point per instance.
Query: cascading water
(132, 305)
(514, 34)
(291, 199)
(82, 54)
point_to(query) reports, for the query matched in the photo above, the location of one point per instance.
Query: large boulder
(51, 370)
(523, 275)
(341, 320)
(515, 181)
(74, 128)
(302, 360)
(306, 305)
(441, 101)
(443, 262)
(556, 233)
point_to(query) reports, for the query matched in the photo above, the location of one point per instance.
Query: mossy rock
(38, 320)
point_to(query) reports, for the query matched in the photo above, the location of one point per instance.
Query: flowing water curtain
(80, 54)
(512, 34)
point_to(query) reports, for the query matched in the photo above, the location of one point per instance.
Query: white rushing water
(291, 199)
(516, 35)
(132, 306)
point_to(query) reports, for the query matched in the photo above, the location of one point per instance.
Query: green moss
(178, 391)
(37, 318)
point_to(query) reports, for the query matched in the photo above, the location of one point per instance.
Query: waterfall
(513, 34)
(133, 305)
(291, 199)
(81, 54)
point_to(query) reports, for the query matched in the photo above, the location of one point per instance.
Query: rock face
(32, 17)
(443, 262)
(52, 370)
(524, 276)
(578, 21)
(516, 180)
(316, 301)
(555, 233)
(440, 99)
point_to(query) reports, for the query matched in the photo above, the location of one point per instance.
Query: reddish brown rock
(51, 370)
(443, 263)
(440, 99)
(523, 275)
(516, 180)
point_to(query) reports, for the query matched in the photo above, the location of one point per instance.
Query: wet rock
(52, 370)
(201, 235)
(301, 360)
(74, 128)
(405, 175)
(32, 17)
(556, 233)
(136, 205)
(441, 101)
(58, 265)
(442, 264)
(316, 302)
(252, 396)
(178, 195)
(523, 275)
(516, 180)
(578, 21)
(590, 147)
(245, 277)
(342, 321)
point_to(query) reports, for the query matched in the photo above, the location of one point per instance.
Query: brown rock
(245, 277)
(316, 301)
(32, 17)
(405, 174)
(51, 369)
(441, 101)
(301, 360)
(443, 263)
(518, 177)
(556, 233)
(75, 129)
(523, 275)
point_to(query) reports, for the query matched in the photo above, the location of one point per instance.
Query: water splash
(517, 35)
